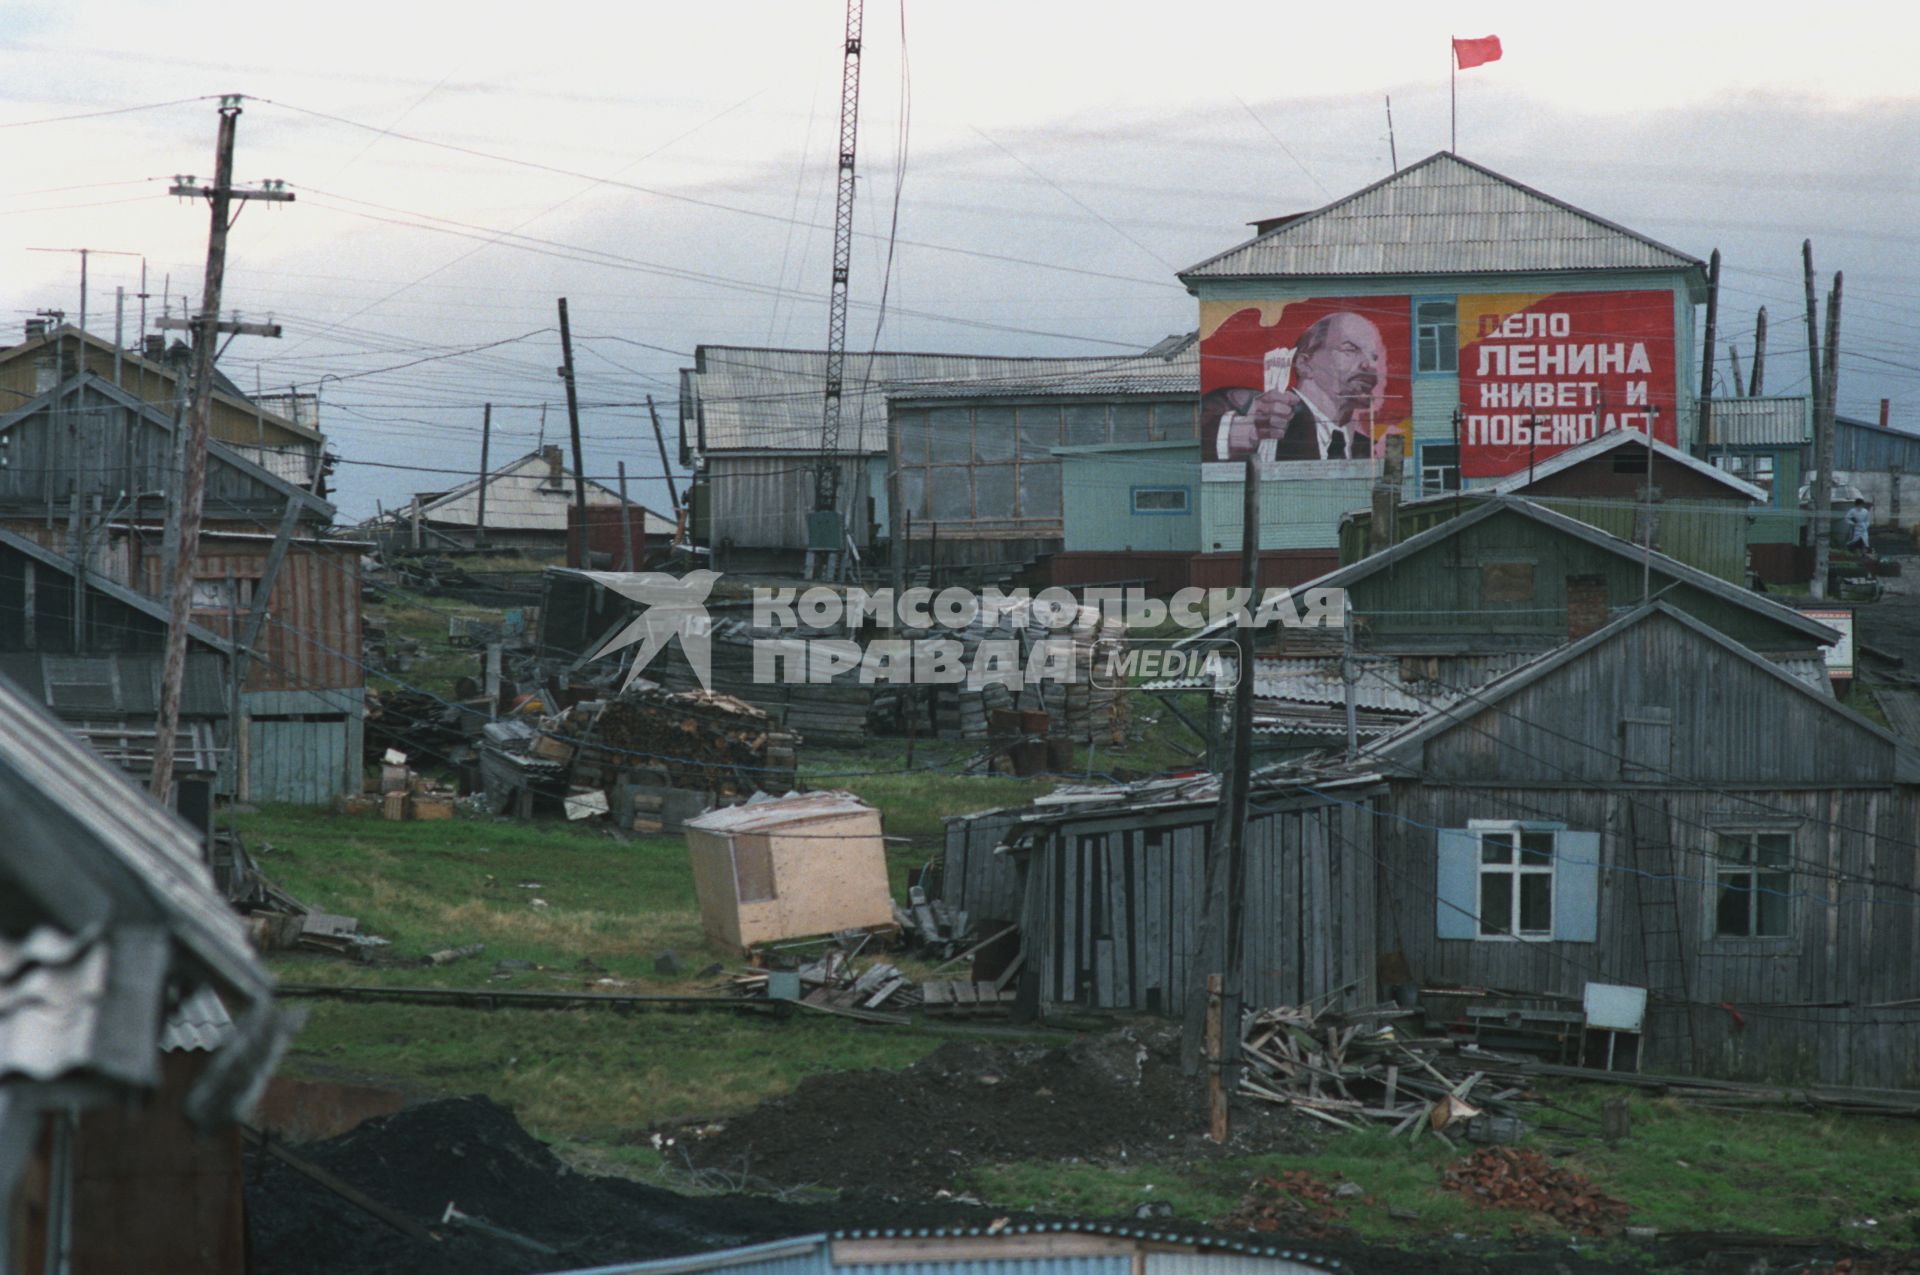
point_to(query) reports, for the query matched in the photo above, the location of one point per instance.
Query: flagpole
(1453, 98)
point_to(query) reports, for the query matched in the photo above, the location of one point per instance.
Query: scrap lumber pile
(1350, 1068)
(929, 925)
(692, 739)
(832, 983)
(422, 725)
(836, 711)
(1512, 1178)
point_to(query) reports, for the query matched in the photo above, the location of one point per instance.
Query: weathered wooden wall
(1112, 908)
(975, 880)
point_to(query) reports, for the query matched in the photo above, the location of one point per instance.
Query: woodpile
(1511, 1178)
(1074, 707)
(1353, 1068)
(839, 712)
(708, 742)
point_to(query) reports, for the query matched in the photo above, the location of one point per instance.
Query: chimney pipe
(1886, 410)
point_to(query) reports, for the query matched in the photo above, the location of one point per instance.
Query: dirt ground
(907, 1134)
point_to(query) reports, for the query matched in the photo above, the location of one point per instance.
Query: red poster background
(1233, 356)
(1577, 363)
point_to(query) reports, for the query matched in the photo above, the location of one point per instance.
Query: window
(1436, 347)
(1752, 885)
(1161, 500)
(1754, 467)
(1501, 880)
(1516, 883)
(1439, 468)
(753, 870)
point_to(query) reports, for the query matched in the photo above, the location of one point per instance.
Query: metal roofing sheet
(752, 399)
(767, 816)
(1444, 215)
(200, 1024)
(1759, 422)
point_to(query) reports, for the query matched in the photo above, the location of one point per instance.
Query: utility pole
(1826, 406)
(1733, 360)
(84, 254)
(573, 424)
(1820, 491)
(1221, 939)
(1646, 549)
(207, 329)
(666, 466)
(1706, 362)
(1759, 381)
(626, 523)
(486, 443)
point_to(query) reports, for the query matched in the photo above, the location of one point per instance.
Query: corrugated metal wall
(761, 501)
(311, 638)
(1109, 1264)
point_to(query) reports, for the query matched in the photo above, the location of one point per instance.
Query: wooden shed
(790, 867)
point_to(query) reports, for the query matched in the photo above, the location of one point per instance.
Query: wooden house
(790, 867)
(85, 471)
(1690, 511)
(527, 506)
(1106, 885)
(1658, 805)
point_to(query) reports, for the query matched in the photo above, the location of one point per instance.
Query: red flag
(1472, 53)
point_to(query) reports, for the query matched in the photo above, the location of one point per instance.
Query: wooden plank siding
(973, 879)
(1111, 919)
(1750, 750)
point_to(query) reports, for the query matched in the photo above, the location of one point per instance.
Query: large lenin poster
(1322, 379)
(1541, 373)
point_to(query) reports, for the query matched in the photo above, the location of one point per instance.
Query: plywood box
(790, 867)
(432, 806)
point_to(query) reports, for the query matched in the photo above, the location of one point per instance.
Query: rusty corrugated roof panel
(1444, 215)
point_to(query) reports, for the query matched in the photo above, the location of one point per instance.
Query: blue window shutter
(1576, 887)
(1457, 914)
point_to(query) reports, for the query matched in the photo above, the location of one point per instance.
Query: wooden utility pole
(486, 445)
(626, 523)
(1705, 439)
(207, 329)
(573, 425)
(1828, 409)
(1221, 938)
(1733, 361)
(1820, 490)
(666, 466)
(1759, 381)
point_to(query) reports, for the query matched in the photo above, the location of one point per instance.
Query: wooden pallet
(959, 996)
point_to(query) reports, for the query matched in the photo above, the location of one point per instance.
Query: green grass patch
(592, 1076)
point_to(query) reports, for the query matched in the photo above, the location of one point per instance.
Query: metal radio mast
(825, 535)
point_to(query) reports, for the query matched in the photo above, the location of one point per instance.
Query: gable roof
(1661, 564)
(225, 453)
(1407, 741)
(755, 399)
(133, 598)
(1443, 215)
(1610, 440)
(225, 391)
(506, 488)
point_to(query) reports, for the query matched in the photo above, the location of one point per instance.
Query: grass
(1682, 1170)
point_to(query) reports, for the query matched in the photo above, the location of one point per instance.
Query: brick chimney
(551, 454)
(1587, 606)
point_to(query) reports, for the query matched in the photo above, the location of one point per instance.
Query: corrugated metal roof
(1444, 215)
(201, 1024)
(1872, 448)
(1601, 444)
(1760, 422)
(767, 816)
(752, 399)
(99, 687)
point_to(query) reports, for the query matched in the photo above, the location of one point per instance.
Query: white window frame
(1517, 871)
(1751, 868)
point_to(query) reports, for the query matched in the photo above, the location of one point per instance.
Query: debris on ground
(1293, 1202)
(1353, 1067)
(1512, 1178)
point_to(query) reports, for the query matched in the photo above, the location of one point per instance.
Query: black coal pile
(472, 1153)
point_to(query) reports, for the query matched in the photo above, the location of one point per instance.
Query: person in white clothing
(1859, 518)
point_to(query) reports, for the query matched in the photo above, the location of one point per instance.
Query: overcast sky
(669, 169)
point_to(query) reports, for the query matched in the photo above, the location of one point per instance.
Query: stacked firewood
(1351, 1068)
(711, 743)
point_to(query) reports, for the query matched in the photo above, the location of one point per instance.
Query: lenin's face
(1350, 369)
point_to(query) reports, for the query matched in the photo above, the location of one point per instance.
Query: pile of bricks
(1293, 1201)
(1510, 1178)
